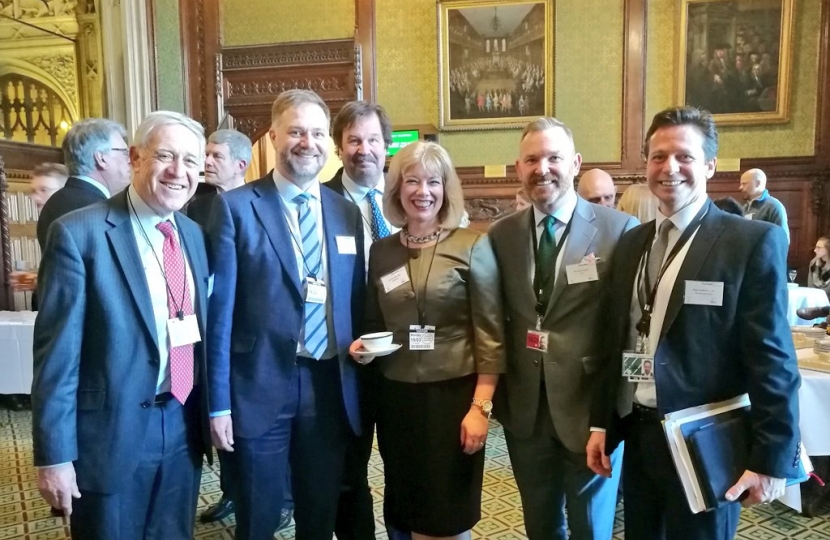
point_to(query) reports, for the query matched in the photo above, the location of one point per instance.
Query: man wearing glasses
(96, 154)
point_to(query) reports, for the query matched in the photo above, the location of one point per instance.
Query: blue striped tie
(379, 228)
(316, 333)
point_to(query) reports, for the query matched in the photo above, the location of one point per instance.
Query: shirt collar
(357, 191)
(760, 198)
(101, 187)
(289, 190)
(683, 217)
(562, 214)
(147, 217)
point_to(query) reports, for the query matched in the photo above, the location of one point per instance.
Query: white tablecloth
(802, 297)
(16, 331)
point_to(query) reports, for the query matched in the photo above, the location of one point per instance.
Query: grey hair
(158, 119)
(238, 143)
(545, 123)
(87, 138)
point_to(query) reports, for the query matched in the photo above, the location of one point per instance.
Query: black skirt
(432, 486)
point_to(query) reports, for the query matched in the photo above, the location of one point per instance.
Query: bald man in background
(597, 186)
(760, 205)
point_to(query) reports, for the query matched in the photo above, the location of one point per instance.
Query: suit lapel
(519, 260)
(197, 262)
(576, 247)
(122, 239)
(710, 228)
(334, 225)
(270, 211)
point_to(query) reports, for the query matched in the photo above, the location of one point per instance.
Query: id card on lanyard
(421, 335)
(544, 277)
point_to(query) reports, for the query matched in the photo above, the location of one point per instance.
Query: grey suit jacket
(575, 318)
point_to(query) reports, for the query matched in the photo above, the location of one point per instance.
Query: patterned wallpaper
(169, 54)
(588, 78)
(794, 138)
(249, 22)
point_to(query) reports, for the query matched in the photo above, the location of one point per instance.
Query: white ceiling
(481, 18)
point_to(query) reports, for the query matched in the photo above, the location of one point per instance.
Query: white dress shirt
(98, 185)
(144, 220)
(360, 196)
(562, 216)
(646, 393)
(288, 191)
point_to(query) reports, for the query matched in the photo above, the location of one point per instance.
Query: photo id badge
(183, 331)
(315, 290)
(421, 338)
(537, 340)
(637, 367)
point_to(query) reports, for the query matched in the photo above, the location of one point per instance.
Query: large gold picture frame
(735, 59)
(496, 63)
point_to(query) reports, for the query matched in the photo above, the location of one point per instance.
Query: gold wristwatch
(485, 405)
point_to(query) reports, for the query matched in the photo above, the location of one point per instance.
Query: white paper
(183, 331)
(582, 272)
(704, 293)
(394, 279)
(346, 245)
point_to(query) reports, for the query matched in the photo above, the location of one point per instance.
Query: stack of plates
(810, 331)
(822, 346)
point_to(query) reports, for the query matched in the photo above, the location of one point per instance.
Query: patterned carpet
(24, 515)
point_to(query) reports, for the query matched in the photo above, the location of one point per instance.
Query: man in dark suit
(555, 259)
(362, 132)
(717, 329)
(290, 281)
(99, 166)
(119, 402)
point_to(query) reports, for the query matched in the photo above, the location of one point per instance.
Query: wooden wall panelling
(365, 38)
(253, 76)
(200, 24)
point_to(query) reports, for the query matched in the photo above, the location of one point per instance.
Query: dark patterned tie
(379, 228)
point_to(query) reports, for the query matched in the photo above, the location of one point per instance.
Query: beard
(364, 175)
(301, 169)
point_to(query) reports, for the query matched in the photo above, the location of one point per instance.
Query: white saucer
(383, 352)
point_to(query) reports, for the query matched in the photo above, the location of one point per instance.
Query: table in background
(16, 335)
(801, 297)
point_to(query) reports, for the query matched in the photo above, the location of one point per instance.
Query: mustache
(536, 178)
(364, 159)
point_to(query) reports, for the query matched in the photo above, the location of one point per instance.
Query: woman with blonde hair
(435, 286)
(638, 201)
(819, 276)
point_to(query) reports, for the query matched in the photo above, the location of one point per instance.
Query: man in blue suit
(288, 295)
(119, 397)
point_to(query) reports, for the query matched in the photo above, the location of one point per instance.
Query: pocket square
(590, 259)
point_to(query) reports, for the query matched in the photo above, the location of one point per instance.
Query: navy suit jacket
(256, 310)
(712, 353)
(96, 357)
(75, 194)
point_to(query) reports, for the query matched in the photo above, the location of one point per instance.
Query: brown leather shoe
(810, 313)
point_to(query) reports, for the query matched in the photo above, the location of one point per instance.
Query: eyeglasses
(124, 151)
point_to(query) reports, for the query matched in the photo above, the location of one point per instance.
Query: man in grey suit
(119, 402)
(554, 257)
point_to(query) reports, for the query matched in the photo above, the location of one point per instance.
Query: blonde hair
(293, 98)
(435, 161)
(638, 200)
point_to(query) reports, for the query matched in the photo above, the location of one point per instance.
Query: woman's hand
(356, 351)
(474, 430)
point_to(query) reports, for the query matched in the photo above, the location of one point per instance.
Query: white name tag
(315, 291)
(421, 338)
(183, 331)
(394, 279)
(748, 216)
(704, 293)
(346, 245)
(582, 272)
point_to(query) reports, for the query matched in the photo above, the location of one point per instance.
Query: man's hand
(57, 486)
(761, 488)
(597, 460)
(221, 432)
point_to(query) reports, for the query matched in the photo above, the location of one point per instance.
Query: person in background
(760, 205)
(638, 201)
(435, 286)
(97, 159)
(522, 200)
(47, 178)
(819, 276)
(729, 205)
(597, 186)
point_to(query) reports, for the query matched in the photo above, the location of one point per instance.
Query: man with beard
(289, 282)
(362, 132)
(555, 257)
(760, 205)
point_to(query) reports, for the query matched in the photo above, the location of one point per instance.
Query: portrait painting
(736, 59)
(496, 62)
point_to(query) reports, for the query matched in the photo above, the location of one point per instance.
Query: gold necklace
(422, 239)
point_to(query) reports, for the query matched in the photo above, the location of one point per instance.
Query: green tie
(546, 256)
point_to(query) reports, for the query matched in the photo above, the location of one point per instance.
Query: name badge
(537, 340)
(183, 331)
(582, 272)
(703, 293)
(315, 291)
(421, 338)
(748, 216)
(394, 279)
(346, 245)
(637, 367)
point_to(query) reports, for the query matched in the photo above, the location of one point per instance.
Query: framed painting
(735, 59)
(496, 63)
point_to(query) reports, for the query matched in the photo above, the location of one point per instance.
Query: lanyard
(365, 221)
(647, 304)
(542, 282)
(422, 305)
(180, 306)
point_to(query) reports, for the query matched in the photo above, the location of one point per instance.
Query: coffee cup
(377, 341)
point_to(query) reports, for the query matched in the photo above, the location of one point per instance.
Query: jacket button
(146, 404)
